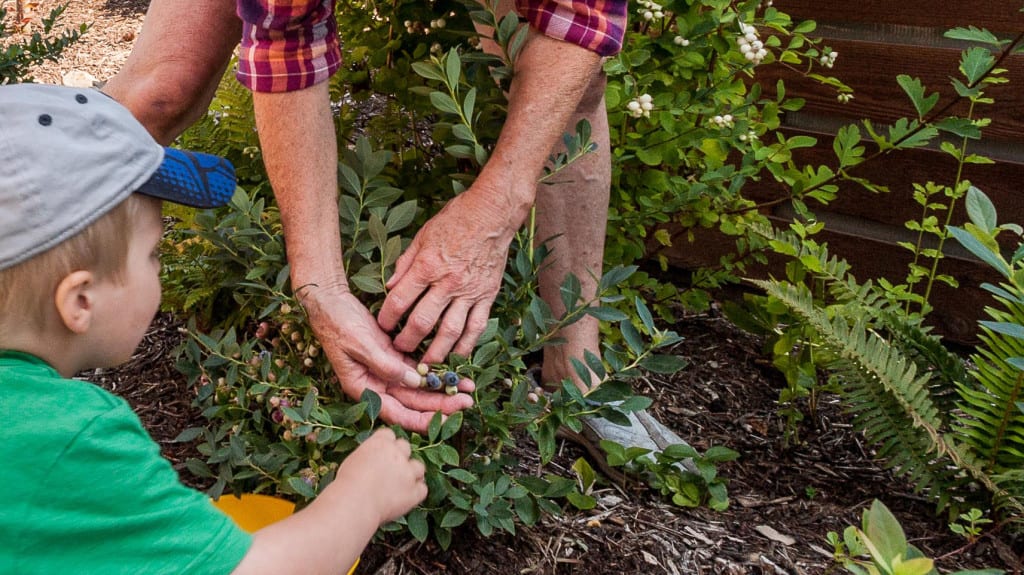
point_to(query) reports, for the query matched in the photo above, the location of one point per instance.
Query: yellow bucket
(253, 512)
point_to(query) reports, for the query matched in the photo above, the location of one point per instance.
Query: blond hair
(28, 288)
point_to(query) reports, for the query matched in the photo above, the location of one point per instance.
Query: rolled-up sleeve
(287, 45)
(597, 25)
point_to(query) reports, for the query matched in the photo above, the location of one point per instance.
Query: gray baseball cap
(70, 155)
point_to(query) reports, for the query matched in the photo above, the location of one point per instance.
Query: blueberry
(433, 382)
(451, 378)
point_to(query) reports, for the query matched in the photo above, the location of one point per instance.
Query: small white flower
(648, 15)
(659, 14)
(645, 99)
(646, 106)
(633, 106)
(407, 24)
(439, 23)
(680, 41)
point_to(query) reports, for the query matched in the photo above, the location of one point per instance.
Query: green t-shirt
(85, 489)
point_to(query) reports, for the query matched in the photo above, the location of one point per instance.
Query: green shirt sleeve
(112, 504)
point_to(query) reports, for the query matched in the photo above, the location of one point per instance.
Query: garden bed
(785, 492)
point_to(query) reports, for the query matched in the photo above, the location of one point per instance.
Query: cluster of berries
(828, 59)
(432, 381)
(722, 121)
(651, 10)
(750, 44)
(844, 98)
(641, 106)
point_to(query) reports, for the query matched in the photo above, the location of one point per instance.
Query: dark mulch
(784, 498)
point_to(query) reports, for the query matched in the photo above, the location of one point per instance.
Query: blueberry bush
(418, 107)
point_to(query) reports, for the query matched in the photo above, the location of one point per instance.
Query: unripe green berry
(422, 369)
(451, 389)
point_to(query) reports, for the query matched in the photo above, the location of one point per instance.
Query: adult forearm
(549, 81)
(296, 133)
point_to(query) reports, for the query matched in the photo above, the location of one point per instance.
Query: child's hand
(382, 470)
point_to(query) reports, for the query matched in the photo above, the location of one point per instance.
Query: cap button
(45, 120)
(81, 99)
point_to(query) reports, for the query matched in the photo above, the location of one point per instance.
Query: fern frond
(990, 419)
(890, 402)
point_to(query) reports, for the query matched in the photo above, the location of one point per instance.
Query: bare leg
(578, 210)
(177, 62)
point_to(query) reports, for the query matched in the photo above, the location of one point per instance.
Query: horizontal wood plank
(1003, 182)
(871, 68)
(995, 15)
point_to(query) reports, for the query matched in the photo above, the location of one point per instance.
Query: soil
(785, 494)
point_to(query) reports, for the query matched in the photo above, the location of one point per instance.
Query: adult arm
(296, 131)
(450, 274)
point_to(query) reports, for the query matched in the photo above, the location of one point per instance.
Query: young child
(86, 490)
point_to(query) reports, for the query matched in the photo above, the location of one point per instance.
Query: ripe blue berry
(433, 382)
(451, 378)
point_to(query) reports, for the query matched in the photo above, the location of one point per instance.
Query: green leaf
(434, 427)
(451, 426)
(973, 34)
(428, 71)
(580, 501)
(454, 518)
(975, 63)
(645, 315)
(416, 520)
(651, 157)
(606, 314)
(979, 249)
(916, 90)
(372, 401)
(444, 103)
(1014, 330)
(981, 210)
(453, 69)
(468, 103)
(189, 435)
(666, 364)
(585, 474)
(301, 487)
(461, 475)
(884, 532)
(400, 216)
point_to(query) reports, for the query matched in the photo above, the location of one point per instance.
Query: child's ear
(74, 300)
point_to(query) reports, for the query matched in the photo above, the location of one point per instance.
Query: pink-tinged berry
(451, 378)
(277, 415)
(532, 397)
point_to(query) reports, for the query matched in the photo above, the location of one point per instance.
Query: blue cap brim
(192, 179)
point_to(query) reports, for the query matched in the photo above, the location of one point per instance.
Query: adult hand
(450, 274)
(363, 358)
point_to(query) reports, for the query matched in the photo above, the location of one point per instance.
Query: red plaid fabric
(597, 25)
(289, 45)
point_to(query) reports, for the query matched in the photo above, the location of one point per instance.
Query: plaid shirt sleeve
(287, 45)
(597, 25)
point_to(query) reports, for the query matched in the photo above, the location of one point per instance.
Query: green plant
(879, 547)
(968, 525)
(791, 342)
(18, 56)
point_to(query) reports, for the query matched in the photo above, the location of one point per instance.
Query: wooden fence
(876, 41)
